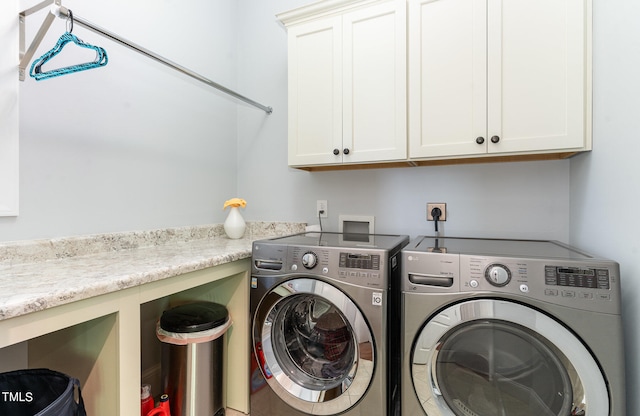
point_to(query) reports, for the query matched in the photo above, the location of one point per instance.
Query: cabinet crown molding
(321, 9)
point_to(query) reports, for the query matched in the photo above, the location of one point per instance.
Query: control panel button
(294, 267)
(524, 288)
(498, 274)
(309, 260)
(474, 283)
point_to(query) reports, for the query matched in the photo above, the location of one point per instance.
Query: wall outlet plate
(443, 208)
(321, 205)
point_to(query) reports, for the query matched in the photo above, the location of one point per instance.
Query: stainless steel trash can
(192, 357)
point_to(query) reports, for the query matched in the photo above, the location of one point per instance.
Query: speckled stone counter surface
(40, 274)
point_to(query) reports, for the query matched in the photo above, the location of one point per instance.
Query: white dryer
(510, 327)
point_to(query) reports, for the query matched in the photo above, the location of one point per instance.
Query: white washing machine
(320, 308)
(510, 328)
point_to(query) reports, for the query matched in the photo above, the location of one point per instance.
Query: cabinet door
(315, 92)
(447, 78)
(374, 82)
(538, 92)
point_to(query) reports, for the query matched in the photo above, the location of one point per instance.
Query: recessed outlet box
(443, 209)
(356, 224)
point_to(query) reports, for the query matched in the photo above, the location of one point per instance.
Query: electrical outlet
(321, 205)
(443, 208)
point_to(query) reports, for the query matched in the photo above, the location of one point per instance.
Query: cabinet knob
(336, 152)
(495, 139)
(480, 140)
(345, 151)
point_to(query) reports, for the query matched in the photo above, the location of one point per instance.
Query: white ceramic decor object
(234, 225)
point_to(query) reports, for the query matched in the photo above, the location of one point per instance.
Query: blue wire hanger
(67, 37)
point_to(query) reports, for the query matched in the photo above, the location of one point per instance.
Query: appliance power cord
(435, 213)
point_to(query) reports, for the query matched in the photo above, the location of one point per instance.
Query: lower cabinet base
(108, 342)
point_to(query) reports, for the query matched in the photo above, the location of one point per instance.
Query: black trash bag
(40, 392)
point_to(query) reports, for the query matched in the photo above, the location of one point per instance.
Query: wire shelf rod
(61, 11)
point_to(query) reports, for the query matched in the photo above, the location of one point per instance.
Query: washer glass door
(492, 357)
(314, 346)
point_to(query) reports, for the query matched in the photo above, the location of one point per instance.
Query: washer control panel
(360, 261)
(357, 266)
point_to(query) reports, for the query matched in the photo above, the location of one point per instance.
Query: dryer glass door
(315, 345)
(487, 357)
(491, 368)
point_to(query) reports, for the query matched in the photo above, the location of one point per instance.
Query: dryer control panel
(577, 277)
(592, 287)
(563, 278)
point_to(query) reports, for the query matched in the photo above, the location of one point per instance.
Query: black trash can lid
(194, 317)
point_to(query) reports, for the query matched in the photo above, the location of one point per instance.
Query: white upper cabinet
(499, 77)
(347, 82)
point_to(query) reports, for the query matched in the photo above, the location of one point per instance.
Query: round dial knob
(309, 260)
(498, 274)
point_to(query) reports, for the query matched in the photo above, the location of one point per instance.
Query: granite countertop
(40, 274)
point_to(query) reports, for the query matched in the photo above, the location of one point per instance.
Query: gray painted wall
(605, 190)
(133, 145)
